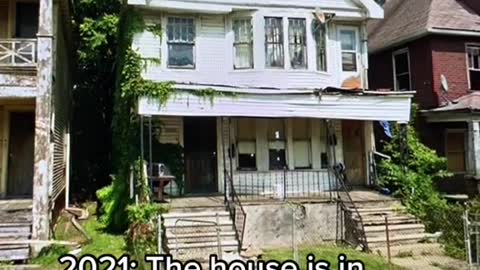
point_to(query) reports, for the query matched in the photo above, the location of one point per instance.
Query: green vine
(130, 86)
(155, 29)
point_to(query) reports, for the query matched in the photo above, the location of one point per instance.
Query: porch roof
(328, 103)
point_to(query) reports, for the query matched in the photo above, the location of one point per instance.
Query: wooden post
(42, 168)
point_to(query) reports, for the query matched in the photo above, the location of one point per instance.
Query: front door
(200, 140)
(354, 152)
(21, 154)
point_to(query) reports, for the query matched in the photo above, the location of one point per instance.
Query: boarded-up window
(455, 151)
(247, 152)
(302, 152)
(474, 66)
(276, 144)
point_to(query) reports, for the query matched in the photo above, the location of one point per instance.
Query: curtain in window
(181, 42)
(274, 50)
(242, 29)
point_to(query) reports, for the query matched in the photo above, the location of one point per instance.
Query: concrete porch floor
(359, 195)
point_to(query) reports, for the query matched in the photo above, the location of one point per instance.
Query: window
(276, 144)
(474, 66)
(349, 50)
(243, 44)
(401, 69)
(246, 134)
(181, 42)
(26, 25)
(455, 151)
(297, 38)
(274, 52)
(301, 143)
(320, 33)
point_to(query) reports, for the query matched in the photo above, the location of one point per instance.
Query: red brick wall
(381, 71)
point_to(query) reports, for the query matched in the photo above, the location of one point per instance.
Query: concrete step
(376, 211)
(226, 246)
(376, 242)
(195, 215)
(6, 236)
(394, 230)
(171, 234)
(197, 223)
(380, 220)
(14, 252)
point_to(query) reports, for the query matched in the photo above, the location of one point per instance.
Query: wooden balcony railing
(18, 52)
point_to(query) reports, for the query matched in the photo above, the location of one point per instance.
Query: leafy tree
(95, 30)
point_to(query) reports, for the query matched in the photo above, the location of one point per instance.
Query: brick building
(433, 47)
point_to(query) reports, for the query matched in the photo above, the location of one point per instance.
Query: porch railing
(236, 210)
(352, 231)
(284, 184)
(18, 52)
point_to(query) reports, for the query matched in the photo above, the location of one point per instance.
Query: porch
(18, 43)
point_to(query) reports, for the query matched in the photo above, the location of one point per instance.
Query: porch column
(474, 148)
(42, 168)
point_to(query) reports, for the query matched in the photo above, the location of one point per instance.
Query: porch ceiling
(365, 106)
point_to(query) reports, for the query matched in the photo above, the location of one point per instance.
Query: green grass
(330, 254)
(102, 243)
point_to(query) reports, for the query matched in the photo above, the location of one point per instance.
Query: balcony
(21, 53)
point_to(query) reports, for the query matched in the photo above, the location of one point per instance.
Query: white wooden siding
(214, 54)
(171, 130)
(346, 107)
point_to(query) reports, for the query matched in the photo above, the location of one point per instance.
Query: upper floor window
(348, 40)
(274, 51)
(297, 39)
(320, 33)
(401, 69)
(181, 42)
(473, 52)
(243, 44)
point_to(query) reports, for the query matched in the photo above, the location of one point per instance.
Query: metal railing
(354, 228)
(373, 157)
(236, 210)
(18, 52)
(284, 184)
(215, 223)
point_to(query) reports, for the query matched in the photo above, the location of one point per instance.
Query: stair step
(396, 240)
(186, 224)
(391, 220)
(14, 253)
(399, 227)
(177, 215)
(378, 210)
(172, 235)
(230, 243)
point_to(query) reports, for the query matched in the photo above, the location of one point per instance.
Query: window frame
(237, 143)
(465, 147)
(284, 140)
(281, 42)
(469, 69)
(193, 44)
(305, 44)
(251, 43)
(356, 51)
(325, 41)
(395, 75)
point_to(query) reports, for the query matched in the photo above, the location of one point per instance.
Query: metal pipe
(150, 167)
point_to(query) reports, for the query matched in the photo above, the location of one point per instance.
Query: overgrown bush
(142, 236)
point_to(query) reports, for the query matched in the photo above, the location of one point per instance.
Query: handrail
(217, 228)
(231, 203)
(360, 235)
(18, 52)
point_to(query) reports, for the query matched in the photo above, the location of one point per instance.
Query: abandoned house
(292, 101)
(34, 127)
(433, 47)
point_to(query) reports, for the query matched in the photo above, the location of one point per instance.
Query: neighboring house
(433, 47)
(293, 78)
(35, 87)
